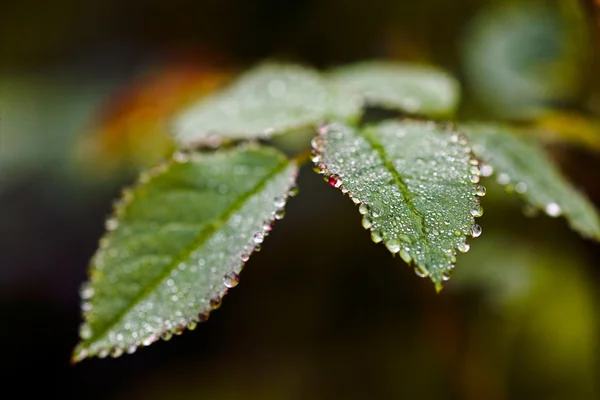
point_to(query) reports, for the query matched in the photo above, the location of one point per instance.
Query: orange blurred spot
(133, 125)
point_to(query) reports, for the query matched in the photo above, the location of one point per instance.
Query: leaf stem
(303, 157)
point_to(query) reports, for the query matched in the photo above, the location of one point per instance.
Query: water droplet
(316, 144)
(131, 349)
(457, 233)
(477, 211)
(181, 157)
(192, 325)
(463, 247)
(334, 180)
(553, 209)
(393, 245)
(149, 340)
(279, 214)
(480, 190)
(103, 353)
(486, 170)
(85, 331)
(474, 170)
(405, 255)
(86, 291)
(116, 352)
(366, 222)
(476, 230)
(258, 238)
(293, 190)
(166, 336)
(231, 280)
(521, 187)
(503, 179)
(363, 208)
(446, 276)
(111, 224)
(474, 178)
(279, 202)
(179, 330)
(421, 271)
(245, 257)
(376, 237)
(215, 303)
(322, 129)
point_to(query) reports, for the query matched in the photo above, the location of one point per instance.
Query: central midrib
(402, 186)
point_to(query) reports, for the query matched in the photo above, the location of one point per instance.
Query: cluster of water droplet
(196, 286)
(412, 192)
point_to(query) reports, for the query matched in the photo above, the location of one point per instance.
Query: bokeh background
(86, 89)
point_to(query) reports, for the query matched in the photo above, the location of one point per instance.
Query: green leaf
(409, 88)
(414, 184)
(270, 99)
(524, 166)
(176, 244)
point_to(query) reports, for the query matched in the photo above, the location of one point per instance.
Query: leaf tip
(79, 354)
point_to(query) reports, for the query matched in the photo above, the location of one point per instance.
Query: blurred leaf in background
(522, 57)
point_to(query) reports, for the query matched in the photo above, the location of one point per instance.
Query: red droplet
(333, 180)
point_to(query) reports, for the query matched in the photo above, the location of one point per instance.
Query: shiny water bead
(480, 190)
(477, 211)
(231, 279)
(192, 325)
(258, 237)
(553, 209)
(463, 247)
(393, 245)
(521, 187)
(476, 230)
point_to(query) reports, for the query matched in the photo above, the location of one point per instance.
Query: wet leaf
(270, 99)
(409, 88)
(414, 184)
(523, 165)
(177, 242)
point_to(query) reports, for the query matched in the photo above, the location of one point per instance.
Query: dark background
(321, 312)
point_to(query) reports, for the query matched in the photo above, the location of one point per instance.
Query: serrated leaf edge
(119, 208)
(513, 186)
(336, 182)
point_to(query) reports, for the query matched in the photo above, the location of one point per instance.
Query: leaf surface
(177, 242)
(414, 184)
(523, 165)
(409, 88)
(268, 100)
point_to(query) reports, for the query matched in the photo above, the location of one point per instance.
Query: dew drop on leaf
(231, 280)
(476, 230)
(553, 209)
